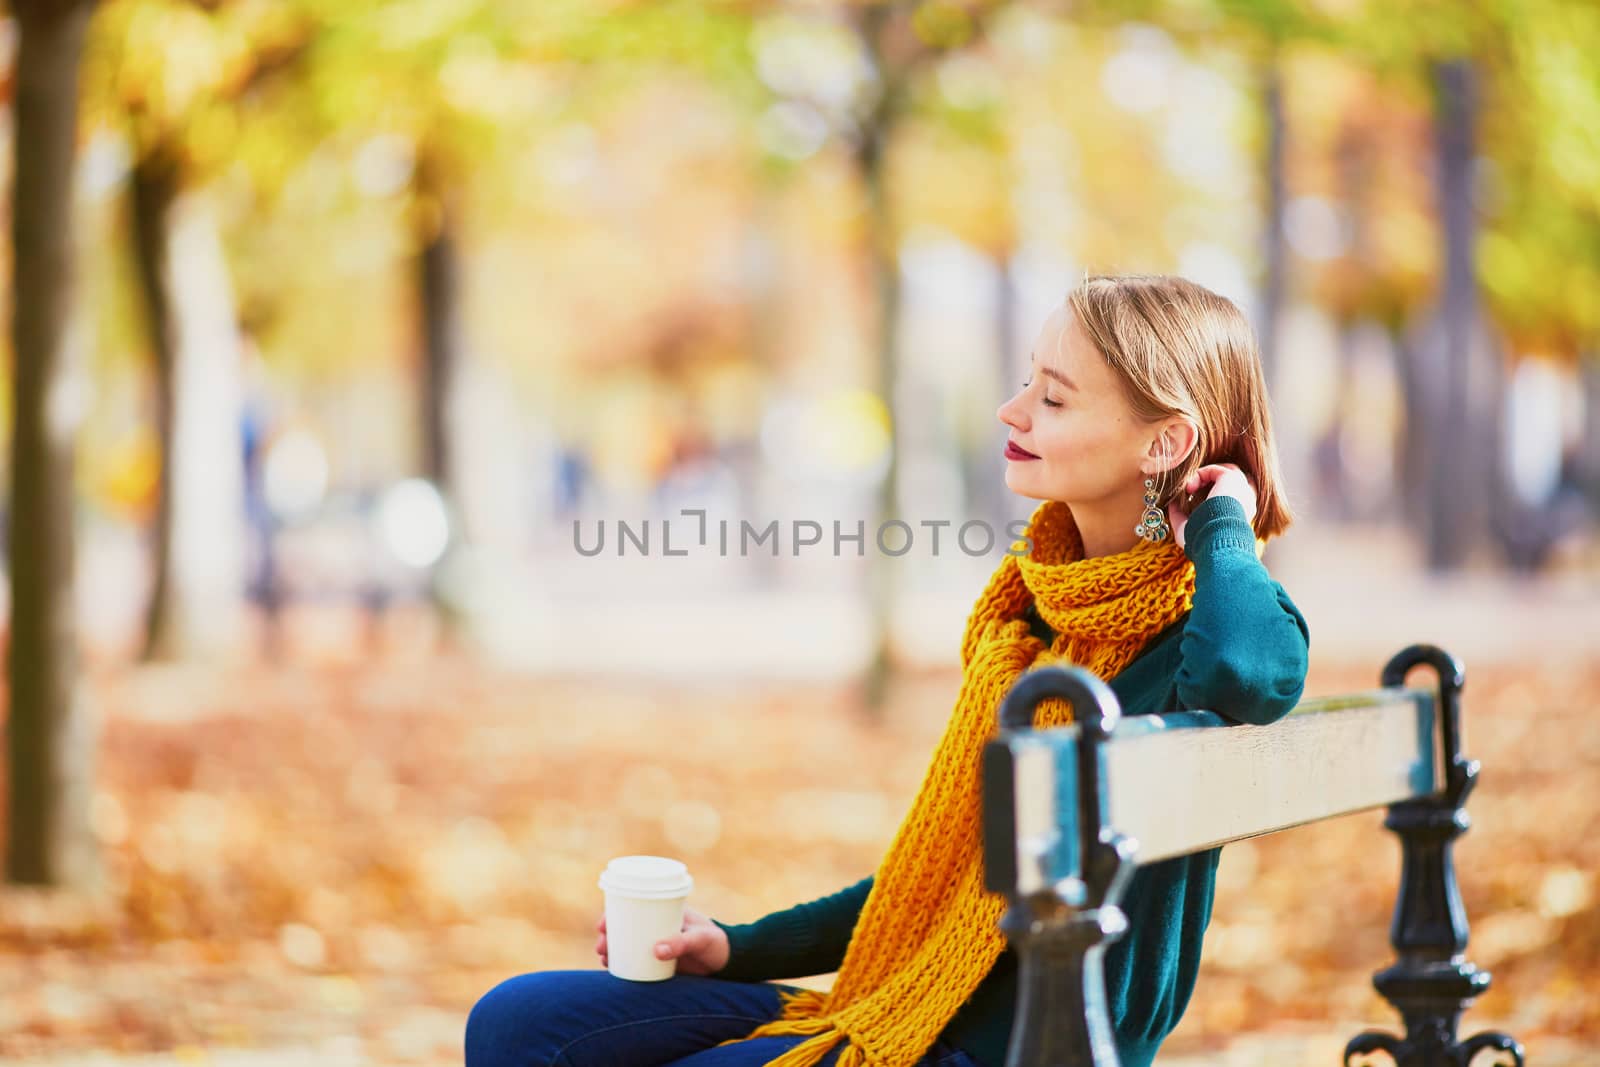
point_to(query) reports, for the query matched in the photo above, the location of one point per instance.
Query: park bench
(1069, 812)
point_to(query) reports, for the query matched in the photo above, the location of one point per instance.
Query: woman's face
(1073, 415)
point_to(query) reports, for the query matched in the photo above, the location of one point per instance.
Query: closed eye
(1047, 401)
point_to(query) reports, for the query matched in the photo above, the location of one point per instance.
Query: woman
(1146, 395)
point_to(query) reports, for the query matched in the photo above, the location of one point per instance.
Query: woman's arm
(804, 940)
(1244, 647)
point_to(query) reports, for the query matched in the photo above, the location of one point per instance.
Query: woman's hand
(700, 948)
(1225, 479)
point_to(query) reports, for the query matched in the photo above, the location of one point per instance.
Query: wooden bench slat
(1326, 758)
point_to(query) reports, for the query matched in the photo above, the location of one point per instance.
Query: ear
(1170, 445)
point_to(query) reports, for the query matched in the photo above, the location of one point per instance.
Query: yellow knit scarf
(928, 933)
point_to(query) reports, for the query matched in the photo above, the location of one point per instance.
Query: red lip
(1013, 452)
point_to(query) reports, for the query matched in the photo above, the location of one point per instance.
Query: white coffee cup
(644, 905)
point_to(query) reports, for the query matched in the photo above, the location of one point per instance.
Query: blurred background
(341, 331)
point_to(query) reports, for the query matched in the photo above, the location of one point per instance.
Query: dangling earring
(1153, 524)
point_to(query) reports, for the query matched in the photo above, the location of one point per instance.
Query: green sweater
(1241, 652)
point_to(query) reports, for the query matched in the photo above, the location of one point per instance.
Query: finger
(1200, 482)
(1178, 521)
(689, 943)
(669, 949)
(601, 925)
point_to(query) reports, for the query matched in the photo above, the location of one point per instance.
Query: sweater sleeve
(1245, 647)
(804, 940)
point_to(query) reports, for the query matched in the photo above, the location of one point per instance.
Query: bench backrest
(1187, 781)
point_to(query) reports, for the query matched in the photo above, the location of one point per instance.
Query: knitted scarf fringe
(808, 1006)
(928, 932)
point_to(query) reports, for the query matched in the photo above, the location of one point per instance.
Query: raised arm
(804, 940)
(1244, 647)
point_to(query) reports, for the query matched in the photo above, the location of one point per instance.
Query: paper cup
(644, 904)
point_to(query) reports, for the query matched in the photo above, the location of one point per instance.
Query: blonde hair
(1180, 349)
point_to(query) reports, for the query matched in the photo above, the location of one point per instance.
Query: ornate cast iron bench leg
(1432, 983)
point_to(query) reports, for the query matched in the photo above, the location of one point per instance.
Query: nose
(1011, 413)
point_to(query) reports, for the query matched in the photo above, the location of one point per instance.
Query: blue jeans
(595, 1019)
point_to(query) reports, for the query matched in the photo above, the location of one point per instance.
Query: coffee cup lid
(647, 877)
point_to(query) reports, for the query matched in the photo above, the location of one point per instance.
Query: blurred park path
(1366, 595)
(1361, 588)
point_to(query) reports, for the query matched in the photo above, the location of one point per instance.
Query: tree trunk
(1274, 252)
(51, 733)
(438, 279)
(1450, 534)
(1412, 465)
(1523, 531)
(1329, 458)
(198, 560)
(1353, 172)
(1588, 458)
(153, 185)
(1291, 446)
(438, 288)
(883, 270)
